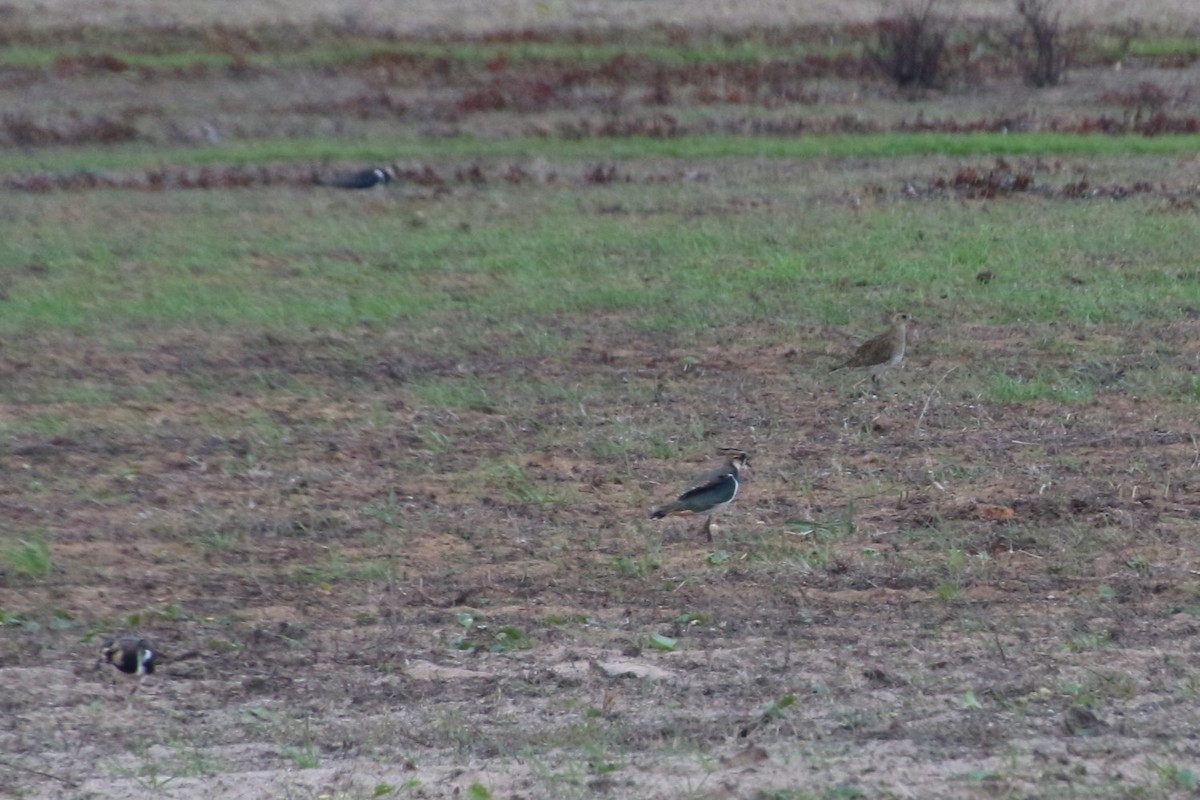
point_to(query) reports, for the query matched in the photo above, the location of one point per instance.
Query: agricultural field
(374, 469)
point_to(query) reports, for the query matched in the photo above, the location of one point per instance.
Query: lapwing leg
(136, 685)
(113, 686)
(708, 528)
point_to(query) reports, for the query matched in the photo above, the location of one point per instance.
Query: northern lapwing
(882, 352)
(710, 493)
(366, 179)
(131, 655)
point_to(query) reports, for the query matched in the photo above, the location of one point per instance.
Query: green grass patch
(266, 48)
(334, 566)
(190, 48)
(1004, 388)
(26, 555)
(383, 150)
(517, 486)
(292, 263)
(461, 393)
(477, 54)
(1165, 46)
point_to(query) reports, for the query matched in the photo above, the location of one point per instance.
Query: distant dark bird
(882, 352)
(132, 655)
(362, 180)
(710, 493)
(984, 277)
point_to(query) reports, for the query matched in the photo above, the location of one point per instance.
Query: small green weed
(304, 757)
(386, 511)
(477, 791)
(775, 709)
(1083, 642)
(635, 566)
(150, 776)
(948, 591)
(479, 635)
(1175, 777)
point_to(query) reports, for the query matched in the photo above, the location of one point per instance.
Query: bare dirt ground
(361, 593)
(312, 590)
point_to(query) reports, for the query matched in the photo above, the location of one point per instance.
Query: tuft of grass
(151, 778)
(467, 394)
(814, 544)
(43, 424)
(167, 612)
(636, 566)
(194, 762)
(518, 487)
(1005, 388)
(337, 567)
(948, 591)
(304, 757)
(387, 512)
(27, 556)
(477, 791)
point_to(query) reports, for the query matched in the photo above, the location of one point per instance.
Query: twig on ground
(20, 768)
(929, 398)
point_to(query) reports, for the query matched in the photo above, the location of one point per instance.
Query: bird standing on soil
(366, 179)
(882, 352)
(710, 493)
(131, 655)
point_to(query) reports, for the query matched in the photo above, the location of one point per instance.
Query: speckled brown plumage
(883, 351)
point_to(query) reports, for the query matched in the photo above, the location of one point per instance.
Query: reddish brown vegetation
(160, 179)
(975, 184)
(82, 66)
(1144, 96)
(23, 131)
(375, 105)
(1005, 178)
